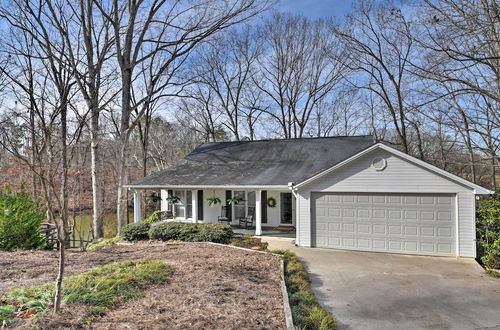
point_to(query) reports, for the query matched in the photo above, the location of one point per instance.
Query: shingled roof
(255, 163)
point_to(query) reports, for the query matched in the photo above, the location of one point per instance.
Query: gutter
(243, 187)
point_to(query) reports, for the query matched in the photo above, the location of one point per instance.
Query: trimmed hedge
(307, 313)
(192, 232)
(135, 231)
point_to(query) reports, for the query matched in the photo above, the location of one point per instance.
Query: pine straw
(210, 287)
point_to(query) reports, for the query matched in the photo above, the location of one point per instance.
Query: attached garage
(382, 200)
(396, 223)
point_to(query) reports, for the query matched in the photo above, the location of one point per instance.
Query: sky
(316, 8)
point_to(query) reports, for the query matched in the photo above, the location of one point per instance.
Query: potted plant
(212, 201)
(172, 200)
(233, 201)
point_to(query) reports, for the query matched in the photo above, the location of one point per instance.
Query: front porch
(269, 212)
(266, 232)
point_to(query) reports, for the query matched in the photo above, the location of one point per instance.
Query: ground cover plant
(102, 243)
(99, 289)
(493, 273)
(307, 313)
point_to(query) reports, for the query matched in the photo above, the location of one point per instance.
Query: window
(239, 210)
(183, 209)
(180, 207)
(247, 199)
(189, 204)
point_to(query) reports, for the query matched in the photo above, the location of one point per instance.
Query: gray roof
(255, 163)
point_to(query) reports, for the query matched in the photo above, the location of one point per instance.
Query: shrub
(20, 220)
(135, 231)
(307, 313)
(101, 288)
(488, 232)
(191, 232)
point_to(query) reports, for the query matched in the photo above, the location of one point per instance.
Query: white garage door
(396, 223)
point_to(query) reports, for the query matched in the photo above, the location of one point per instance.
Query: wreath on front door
(271, 202)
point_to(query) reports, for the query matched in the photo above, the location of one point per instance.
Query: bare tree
(462, 43)
(87, 54)
(167, 32)
(223, 69)
(301, 68)
(380, 43)
(32, 22)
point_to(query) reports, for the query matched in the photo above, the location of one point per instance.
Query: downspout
(297, 212)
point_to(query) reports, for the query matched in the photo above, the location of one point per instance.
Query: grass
(307, 313)
(492, 273)
(101, 288)
(102, 243)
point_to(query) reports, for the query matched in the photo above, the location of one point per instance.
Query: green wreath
(271, 202)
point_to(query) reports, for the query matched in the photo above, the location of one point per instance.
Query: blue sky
(316, 8)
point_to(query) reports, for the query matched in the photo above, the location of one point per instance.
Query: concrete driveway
(365, 290)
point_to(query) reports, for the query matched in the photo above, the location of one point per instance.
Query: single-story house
(338, 192)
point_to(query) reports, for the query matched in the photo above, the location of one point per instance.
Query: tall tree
(166, 32)
(301, 69)
(31, 20)
(89, 43)
(379, 41)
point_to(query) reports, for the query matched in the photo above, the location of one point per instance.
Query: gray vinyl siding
(400, 176)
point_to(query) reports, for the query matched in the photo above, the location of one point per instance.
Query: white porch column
(194, 205)
(258, 213)
(137, 206)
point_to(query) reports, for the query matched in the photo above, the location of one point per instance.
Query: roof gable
(431, 168)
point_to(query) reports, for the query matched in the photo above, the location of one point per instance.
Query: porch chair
(246, 222)
(224, 214)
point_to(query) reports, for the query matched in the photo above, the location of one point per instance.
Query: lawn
(208, 286)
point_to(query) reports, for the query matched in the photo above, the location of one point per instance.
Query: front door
(286, 208)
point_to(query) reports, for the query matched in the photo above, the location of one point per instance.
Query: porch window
(183, 209)
(247, 199)
(180, 208)
(239, 210)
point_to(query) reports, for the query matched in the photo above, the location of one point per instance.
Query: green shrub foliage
(154, 217)
(192, 232)
(135, 231)
(488, 232)
(307, 313)
(20, 220)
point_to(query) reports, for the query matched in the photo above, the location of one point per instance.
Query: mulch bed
(212, 287)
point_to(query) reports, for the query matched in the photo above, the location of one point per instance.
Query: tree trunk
(63, 229)
(60, 276)
(97, 216)
(121, 198)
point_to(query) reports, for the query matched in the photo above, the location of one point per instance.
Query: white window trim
(183, 204)
(246, 203)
